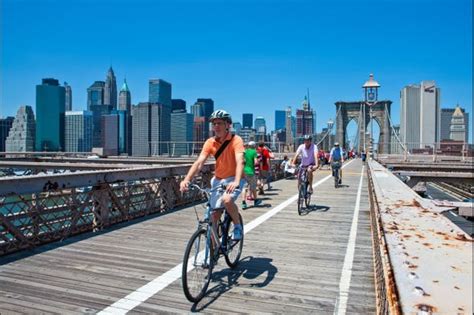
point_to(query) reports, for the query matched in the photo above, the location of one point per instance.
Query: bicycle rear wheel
(197, 270)
(301, 193)
(336, 178)
(234, 248)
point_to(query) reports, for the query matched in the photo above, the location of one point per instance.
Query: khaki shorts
(251, 181)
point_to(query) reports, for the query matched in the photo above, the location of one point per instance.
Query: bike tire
(196, 280)
(234, 248)
(307, 197)
(300, 199)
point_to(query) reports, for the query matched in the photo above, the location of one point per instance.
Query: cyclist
(229, 167)
(309, 158)
(336, 158)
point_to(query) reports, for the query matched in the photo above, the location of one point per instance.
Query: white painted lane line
(145, 292)
(345, 281)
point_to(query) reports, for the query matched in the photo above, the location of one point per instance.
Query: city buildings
(305, 120)
(181, 133)
(247, 120)
(50, 109)
(458, 126)
(68, 97)
(110, 89)
(159, 92)
(446, 117)
(151, 124)
(21, 137)
(5, 125)
(95, 94)
(78, 131)
(420, 115)
(125, 98)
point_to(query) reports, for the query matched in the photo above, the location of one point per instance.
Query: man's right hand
(184, 185)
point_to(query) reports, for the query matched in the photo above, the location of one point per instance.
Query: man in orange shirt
(229, 167)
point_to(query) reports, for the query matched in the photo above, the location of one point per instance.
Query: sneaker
(340, 181)
(244, 205)
(237, 235)
(310, 190)
(257, 202)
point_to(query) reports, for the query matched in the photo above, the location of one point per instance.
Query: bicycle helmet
(336, 144)
(221, 114)
(307, 137)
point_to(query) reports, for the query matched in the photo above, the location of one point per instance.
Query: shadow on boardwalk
(224, 280)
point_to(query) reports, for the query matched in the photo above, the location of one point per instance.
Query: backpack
(336, 154)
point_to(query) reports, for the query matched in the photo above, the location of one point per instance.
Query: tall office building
(446, 116)
(125, 98)
(5, 125)
(420, 115)
(50, 105)
(289, 123)
(78, 135)
(95, 94)
(21, 137)
(305, 120)
(181, 133)
(280, 119)
(237, 126)
(97, 112)
(159, 91)
(247, 120)
(458, 126)
(110, 133)
(124, 131)
(203, 107)
(208, 106)
(68, 97)
(178, 105)
(110, 89)
(151, 129)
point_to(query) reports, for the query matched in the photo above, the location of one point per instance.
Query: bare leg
(231, 208)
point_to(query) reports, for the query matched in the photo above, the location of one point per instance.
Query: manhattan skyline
(247, 56)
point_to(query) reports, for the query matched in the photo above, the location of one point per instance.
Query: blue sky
(249, 56)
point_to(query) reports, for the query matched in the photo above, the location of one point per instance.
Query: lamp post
(370, 97)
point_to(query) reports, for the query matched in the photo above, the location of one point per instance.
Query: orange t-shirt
(225, 164)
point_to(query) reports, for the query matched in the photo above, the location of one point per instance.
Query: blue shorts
(216, 201)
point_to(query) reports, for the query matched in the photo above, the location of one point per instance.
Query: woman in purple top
(309, 158)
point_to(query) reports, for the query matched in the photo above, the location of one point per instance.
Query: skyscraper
(280, 119)
(110, 89)
(5, 125)
(178, 105)
(151, 129)
(21, 137)
(420, 115)
(95, 94)
(181, 133)
(289, 127)
(247, 120)
(446, 116)
(208, 106)
(78, 131)
(125, 98)
(305, 120)
(50, 105)
(68, 97)
(458, 126)
(159, 91)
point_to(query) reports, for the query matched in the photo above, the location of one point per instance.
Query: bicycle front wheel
(301, 193)
(307, 197)
(197, 268)
(234, 247)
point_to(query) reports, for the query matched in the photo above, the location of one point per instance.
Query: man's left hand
(231, 187)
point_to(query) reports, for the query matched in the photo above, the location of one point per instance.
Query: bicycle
(304, 193)
(336, 166)
(209, 242)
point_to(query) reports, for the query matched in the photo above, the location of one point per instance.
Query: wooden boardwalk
(290, 264)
